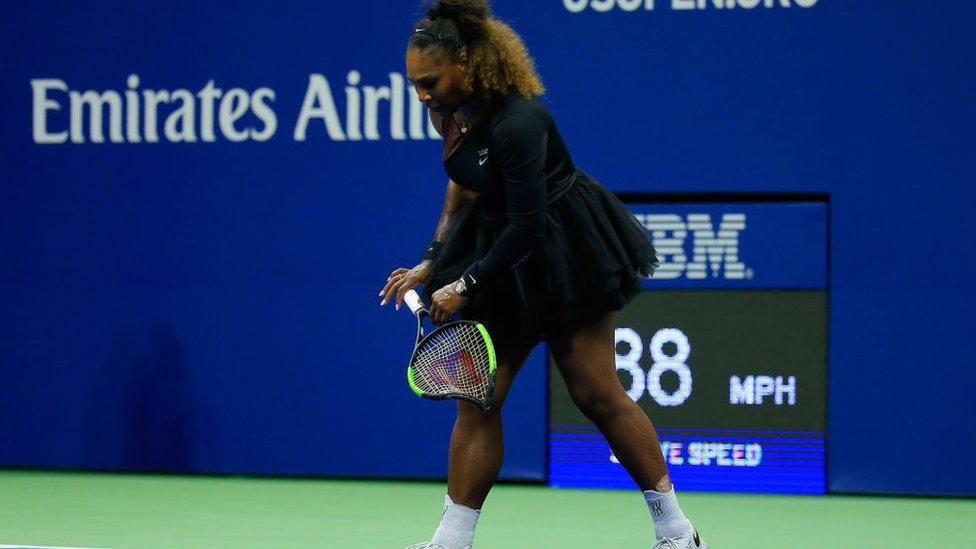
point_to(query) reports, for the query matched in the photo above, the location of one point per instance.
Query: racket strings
(454, 361)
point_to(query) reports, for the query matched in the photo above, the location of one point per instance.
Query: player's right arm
(455, 197)
(402, 279)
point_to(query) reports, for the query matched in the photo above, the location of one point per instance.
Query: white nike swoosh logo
(481, 161)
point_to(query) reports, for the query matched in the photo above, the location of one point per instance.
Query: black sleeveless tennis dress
(544, 247)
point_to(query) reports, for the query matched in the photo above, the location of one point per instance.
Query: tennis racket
(456, 360)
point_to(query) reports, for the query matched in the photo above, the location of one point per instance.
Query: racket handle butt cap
(412, 299)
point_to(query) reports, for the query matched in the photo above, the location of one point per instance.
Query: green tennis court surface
(135, 511)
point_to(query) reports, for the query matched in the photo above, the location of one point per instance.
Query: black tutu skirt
(594, 257)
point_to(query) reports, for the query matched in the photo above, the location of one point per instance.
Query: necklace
(464, 116)
(460, 121)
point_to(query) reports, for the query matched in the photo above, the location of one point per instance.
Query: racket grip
(412, 299)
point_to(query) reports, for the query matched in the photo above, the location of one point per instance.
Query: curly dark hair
(496, 55)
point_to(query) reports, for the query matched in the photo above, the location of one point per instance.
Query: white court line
(44, 547)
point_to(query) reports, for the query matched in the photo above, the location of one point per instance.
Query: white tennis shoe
(687, 541)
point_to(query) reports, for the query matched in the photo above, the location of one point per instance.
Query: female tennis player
(531, 247)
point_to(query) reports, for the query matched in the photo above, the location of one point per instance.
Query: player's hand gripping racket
(456, 360)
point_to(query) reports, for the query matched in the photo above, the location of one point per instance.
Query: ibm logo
(713, 254)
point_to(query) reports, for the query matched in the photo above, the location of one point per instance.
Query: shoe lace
(426, 545)
(665, 543)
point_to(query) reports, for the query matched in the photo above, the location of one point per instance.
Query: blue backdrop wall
(197, 291)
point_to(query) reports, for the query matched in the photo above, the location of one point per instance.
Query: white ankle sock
(669, 521)
(456, 530)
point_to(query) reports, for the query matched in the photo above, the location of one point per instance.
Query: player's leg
(475, 457)
(476, 450)
(585, 359)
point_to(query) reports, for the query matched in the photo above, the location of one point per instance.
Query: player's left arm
(519, 144)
